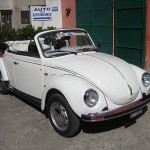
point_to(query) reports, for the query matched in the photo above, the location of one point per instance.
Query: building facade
(16, 13)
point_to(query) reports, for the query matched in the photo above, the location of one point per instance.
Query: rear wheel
(63, 119)
(3, 85)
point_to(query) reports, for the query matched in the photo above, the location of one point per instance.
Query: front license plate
(136, 113)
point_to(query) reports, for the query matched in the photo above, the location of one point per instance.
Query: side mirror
(98, 46)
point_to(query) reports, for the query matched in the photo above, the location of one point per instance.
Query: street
(24, 127)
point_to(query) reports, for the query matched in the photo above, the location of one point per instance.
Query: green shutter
(130, 31)
(96, 17)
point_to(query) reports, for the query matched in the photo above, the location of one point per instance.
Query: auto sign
(41, 13)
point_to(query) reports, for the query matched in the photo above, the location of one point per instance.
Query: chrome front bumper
(122, 111)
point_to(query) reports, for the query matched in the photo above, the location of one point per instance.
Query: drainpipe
(113, 38)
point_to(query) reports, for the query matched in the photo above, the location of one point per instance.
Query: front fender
(73, 89)
(139, 72)
(3, 70)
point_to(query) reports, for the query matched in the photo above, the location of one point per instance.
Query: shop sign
(54, 9)
(41, 13)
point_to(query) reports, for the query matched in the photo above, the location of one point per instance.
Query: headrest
(32, 49)
(59, 44)
(65, 38)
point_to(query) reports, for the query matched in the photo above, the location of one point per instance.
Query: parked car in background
(61, 72)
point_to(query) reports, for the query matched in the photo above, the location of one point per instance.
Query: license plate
(136, 113)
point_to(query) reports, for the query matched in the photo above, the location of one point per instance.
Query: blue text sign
(41, 13)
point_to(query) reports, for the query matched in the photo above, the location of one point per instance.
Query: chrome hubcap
(59, 116)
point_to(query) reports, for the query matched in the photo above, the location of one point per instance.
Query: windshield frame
(39, 35)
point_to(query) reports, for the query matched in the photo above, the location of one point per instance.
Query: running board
(27, 97)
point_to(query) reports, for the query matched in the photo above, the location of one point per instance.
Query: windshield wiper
(68, 52)
(86, 49)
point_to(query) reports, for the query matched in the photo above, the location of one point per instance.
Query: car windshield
(64, 42)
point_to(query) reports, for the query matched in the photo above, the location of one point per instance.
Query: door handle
(16, 63)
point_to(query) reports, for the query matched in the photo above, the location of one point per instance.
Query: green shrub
(39, 29)
(25, 33)
(7, 35)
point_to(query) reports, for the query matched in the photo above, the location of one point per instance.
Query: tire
(3, 85)
(63, 119)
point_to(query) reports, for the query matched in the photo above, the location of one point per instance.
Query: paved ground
(23, 127)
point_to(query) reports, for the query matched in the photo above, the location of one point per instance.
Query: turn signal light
(96, 118)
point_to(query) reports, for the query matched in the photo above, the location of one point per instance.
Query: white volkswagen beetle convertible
(62, 73)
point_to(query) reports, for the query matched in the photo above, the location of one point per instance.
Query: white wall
(5, 4)
(22, 5)
(56, 20)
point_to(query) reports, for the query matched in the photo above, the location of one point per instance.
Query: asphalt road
(24, 127)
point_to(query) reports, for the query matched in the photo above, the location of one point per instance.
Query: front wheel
(63, 119)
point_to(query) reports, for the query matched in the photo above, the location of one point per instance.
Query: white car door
(28, 74)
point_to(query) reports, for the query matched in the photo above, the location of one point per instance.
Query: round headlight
(91, 98)
(146, 79)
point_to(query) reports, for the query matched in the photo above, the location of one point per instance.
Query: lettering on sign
(41, 13)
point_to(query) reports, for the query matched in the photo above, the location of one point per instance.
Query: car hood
(113, 76)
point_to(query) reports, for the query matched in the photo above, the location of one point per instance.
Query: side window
(25, 19)
(83, 40)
